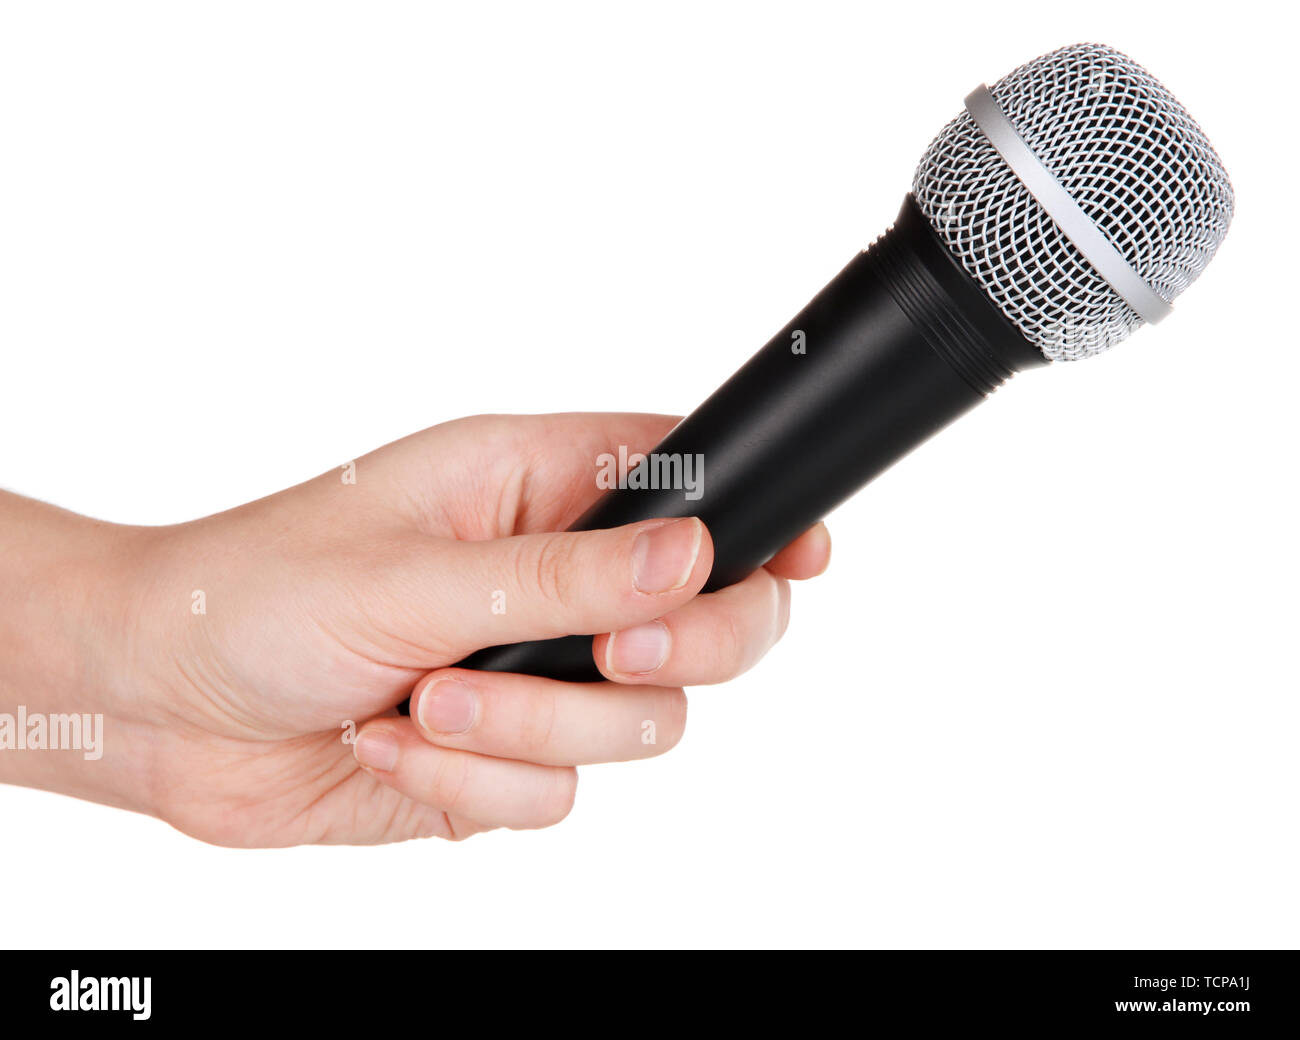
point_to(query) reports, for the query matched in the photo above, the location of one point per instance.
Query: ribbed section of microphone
(907, 264)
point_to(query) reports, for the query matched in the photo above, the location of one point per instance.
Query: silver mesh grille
(1129, 155)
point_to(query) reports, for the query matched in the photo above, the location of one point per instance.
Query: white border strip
(1074, 223)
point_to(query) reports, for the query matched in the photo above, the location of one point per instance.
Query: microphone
(1066, 206)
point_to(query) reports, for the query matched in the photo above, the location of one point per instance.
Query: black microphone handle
(899, 344)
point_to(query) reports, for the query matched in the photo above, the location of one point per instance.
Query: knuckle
(537, 723)
(450, 776)
(730, 645)
(557, 798)
(672, 722)
(448, 830)
(547, 568)
(739, 637)
(782, 608)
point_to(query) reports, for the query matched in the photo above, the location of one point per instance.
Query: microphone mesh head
(1129, 155)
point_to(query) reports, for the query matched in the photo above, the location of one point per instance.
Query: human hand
(329, 603)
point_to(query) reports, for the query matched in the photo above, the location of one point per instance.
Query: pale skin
(331, 602)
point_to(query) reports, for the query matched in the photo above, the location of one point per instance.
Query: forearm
(62, 606)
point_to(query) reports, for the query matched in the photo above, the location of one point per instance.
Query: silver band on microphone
(1074, 223)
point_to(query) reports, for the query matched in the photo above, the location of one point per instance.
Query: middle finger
(711, 639)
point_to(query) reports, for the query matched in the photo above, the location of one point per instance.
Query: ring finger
(544, 721)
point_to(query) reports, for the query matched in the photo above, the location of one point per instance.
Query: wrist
(63, 631)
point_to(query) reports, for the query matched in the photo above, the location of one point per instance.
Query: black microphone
(1066, 206)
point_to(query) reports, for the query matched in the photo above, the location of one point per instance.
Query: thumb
(541, 586)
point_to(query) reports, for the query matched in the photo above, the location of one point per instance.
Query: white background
(1046, 696)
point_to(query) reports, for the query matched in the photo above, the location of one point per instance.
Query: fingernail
(664, 556)
(376, 749)
(448, 706)
(635, 651)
